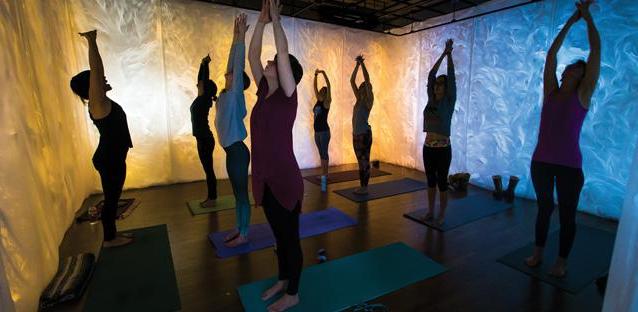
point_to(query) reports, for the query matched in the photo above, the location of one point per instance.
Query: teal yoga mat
(137, 277)
(223, 202)
(339, 284)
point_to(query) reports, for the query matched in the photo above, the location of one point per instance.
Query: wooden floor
(474, 282)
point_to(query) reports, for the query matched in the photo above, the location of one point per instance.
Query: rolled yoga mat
(125, 207)
(260, 235)
(223, 202)
(137, 277)
(344, 176)
(462, 211)
(384, 189)
(341, 283)
(589, 259)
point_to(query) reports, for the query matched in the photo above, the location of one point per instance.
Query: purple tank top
(559, 133)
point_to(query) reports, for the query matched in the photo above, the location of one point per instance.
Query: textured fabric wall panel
(44, 149)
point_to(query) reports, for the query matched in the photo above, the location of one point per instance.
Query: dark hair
(444, 78)
(246, 81)
(80, 84)
(297, 69)
(210, 89)
(582, 63)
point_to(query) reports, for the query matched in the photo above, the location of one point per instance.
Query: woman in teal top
(437, 118)
(229, 122)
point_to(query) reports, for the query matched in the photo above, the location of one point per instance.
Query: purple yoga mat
(260, 235)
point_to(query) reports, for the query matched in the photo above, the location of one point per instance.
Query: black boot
(511, 186)
(498, 187)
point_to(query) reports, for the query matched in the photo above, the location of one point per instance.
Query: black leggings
(362, 144)
(436, 161)
(205, 146)
(569, 183)
(112, 169)
(285, 225)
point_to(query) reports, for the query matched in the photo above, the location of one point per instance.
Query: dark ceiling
(373, 15)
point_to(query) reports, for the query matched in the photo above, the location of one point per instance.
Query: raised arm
(203, 73)
(432, 75)
(364, 70)
(550, 82)
(328, 100)
(99, 107)
(592, 70)
(254, 51)
(284, 70)
(451, 76)
(353, 80)
(315, 83)
(239, 53)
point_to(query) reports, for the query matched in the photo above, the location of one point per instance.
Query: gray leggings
(322, 139)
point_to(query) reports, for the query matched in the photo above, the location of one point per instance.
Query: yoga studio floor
(475, 281)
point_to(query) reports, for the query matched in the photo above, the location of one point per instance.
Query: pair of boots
(498, 188)
(459, 181)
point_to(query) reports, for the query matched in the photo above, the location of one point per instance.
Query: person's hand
(206, 59)
(359, 59)
(240, 24)
(275, 10)
(317, 71)
(264, 16)
(583, 8)
(449, 46)
(90, 35)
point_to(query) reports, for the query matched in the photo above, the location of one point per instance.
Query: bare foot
(231, 235)
(275, 289)
(559, 269)
(284, 303)
(208, 203)
(441, 219)
(535, 259)
(428, 216)
(119, 241)
(237, 241)
(361, 191)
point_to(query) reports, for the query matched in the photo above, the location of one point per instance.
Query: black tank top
(321, 117)
(114, 134)
(199, 117)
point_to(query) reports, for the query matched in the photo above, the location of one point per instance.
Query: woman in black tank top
(115, 140)
(322, 129)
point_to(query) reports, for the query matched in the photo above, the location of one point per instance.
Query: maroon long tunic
(273, 160)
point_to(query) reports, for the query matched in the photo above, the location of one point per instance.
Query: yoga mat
(589, 259)
(137, 277)
(260, 235)
(462, 211)
(384, 189)
(223, 202)
(338, 284)
(343, 176)
(125, 207)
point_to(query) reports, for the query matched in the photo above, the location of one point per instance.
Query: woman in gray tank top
(361, 130)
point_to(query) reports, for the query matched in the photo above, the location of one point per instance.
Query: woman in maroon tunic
(276, 179)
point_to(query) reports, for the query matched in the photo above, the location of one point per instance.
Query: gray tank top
(360, 116)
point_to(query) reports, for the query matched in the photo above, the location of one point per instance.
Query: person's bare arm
(550, 82)
(353, 80)
(284, 70)
(592, 70)
(314, 84)
(99, 107)
(254, 50)
(328, 100)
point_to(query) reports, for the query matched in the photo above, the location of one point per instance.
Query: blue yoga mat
(260, 235)
(342, 283)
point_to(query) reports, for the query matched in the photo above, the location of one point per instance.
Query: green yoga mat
(137, 277)
(223, 202)
(339, 284)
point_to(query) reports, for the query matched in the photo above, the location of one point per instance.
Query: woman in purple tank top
(557, 159)
(276, 178)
